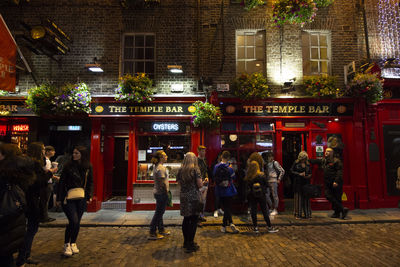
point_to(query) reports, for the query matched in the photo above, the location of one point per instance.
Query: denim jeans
(157, 221)
(31, 230)
(74, 210)
(274, 202)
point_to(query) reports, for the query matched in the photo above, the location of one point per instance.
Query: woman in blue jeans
(77, 173)
(161, 188)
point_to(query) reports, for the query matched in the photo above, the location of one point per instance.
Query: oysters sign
(8, 56)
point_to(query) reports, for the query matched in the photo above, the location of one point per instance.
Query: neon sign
(165, 127)
(20, 128)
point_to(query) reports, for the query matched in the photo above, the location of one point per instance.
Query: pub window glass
(247, 126)
(139, 53)
(228, 126)
(229, 141)
(266, 126)
(175, 146)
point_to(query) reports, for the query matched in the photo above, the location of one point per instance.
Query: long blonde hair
(189, 163)
(253, 170)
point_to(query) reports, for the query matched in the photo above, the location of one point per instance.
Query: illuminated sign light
(3, 130)
(20, 128)
(165, 127)
(264, 144)
(176, 147)
(69, 128)
(156, 148)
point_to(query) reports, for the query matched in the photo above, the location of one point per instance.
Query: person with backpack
(225, 189)
(274, 172)
(257, 186)
(16, 175)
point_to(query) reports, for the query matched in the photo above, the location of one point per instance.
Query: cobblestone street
(329, 245)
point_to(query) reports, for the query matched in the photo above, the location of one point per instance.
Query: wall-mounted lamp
(288, 86)
(175, 68)
(94, 67)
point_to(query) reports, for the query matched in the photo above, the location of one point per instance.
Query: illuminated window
(250, 51)
(316, 53)
(139, 54)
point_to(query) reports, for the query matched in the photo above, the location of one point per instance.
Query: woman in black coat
(16, 174)
(77, 173)
(301, 171)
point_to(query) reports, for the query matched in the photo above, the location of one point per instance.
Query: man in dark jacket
(333, 172)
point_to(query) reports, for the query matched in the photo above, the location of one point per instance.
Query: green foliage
(206, 115)
(251, 86)
(250, 4)
(293, 12)
(321, 86)
(368, 86)
(67, 100)
(4, 93)
(323, 3)
(134, 89)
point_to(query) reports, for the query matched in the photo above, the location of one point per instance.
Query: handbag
(77, 192)
(170, 204)
(311, 190)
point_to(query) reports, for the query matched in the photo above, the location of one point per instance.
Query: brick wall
(96, 27)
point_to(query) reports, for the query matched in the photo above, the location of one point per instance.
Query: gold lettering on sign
(173, 109)
(9, 108)
(253, 109)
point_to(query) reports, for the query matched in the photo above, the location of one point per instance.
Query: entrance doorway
(292, 144)
(120, 170)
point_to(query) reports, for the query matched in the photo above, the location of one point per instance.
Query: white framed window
(138, 53)
(316, 52)
(250, 51)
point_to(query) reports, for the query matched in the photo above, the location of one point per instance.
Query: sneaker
(74, 248)
(272, 229)
(67, 250)
(165, 232)
(223, 229)
(216, 214)
(274, 212)
(344, 213)
(234, 229)
(335, 215)
(221, 211)
(155, 236)
(255, 230)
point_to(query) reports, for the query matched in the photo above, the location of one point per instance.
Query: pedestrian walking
(16, 175)
(75, 190)
(161, 188)
(47, 191)
(274, 173)
(191, 204)
(225, 189)
(33, 214)
(301, 171)
(256, 187)
(333, 172)
(202, 163)
(217, 203)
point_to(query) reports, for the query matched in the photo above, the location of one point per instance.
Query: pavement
(120, 218)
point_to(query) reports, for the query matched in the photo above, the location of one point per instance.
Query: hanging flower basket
(251, 86)
(368, 86)
(293, 12)
(67, 100)
(321, 87)
(134, 89)
(206, 115)
(250, 4)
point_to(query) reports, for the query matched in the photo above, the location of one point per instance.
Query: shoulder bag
(77, 192)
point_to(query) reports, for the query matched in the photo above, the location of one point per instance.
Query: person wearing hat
(333, 172)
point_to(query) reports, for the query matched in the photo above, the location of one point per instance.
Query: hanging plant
(368, 86)
(67, 100)
(4, 93)
(321, 86)
(206, 115)
(323, 3)
(293, 12)
(250, 4)
(134, 89)
(251, 86)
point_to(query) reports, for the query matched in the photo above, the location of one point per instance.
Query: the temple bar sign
(288, 109)
(142, 109)
(8, 57)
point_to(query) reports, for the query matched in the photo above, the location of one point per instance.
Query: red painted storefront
(357, 125)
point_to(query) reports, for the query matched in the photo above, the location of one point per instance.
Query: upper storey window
(316, 53)
(139, 54)
(250, 51)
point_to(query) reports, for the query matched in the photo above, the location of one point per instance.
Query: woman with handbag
(74, 191)
(190, 181)
(301, 171)
(257, 186)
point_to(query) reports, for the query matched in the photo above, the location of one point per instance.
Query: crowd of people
(27, 183)
(30, 181)
(262, 177)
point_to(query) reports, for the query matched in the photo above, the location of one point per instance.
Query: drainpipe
(365, 30)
